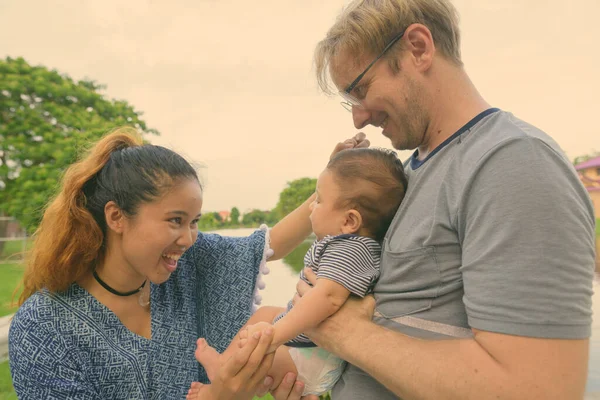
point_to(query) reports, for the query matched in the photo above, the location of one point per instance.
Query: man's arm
(527, 270)
(489, 366)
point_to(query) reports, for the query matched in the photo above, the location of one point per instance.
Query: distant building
(13, 229)
(225, 216)
(589, 173)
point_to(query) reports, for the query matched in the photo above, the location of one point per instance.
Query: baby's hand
(252, 329)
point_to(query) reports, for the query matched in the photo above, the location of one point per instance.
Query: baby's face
(326, 217)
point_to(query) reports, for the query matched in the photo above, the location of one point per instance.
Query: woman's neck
(117, 273)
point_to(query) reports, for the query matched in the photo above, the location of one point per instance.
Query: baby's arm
(310, 310)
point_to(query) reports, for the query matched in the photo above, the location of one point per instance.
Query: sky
(230, 83)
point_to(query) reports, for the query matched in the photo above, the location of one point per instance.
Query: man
(486, 275)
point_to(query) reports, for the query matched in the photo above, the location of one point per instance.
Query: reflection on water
(296, 258)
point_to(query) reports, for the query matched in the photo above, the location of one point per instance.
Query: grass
(10, 277)
(598, 227)
(6, 388)
(13, 250)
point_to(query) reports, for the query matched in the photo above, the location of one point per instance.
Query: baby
(357, 197)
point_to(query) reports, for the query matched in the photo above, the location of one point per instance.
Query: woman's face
(162, 230)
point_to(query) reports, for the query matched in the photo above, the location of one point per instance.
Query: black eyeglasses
(351, 101)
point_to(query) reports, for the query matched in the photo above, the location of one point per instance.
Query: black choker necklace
(113, 291)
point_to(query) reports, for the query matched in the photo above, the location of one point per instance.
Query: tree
(254, 218)
(210, 221)
(272, 217)
(584, 158)
(46, 119)
(235, 216)
(294, 195)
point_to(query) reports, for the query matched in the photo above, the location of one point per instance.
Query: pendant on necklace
(144, 298)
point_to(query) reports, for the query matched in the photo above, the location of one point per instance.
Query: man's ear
(115, 219)
(352, 222)
(420, 45)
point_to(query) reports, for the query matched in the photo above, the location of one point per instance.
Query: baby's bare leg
(282, 364)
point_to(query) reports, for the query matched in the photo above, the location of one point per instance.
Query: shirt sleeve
(228, 279)
(527, 233)
(350, 263)
(42, 367)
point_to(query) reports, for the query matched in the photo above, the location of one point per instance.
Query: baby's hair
(372, 181)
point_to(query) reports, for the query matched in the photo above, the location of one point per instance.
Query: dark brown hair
(372, 181)
(70, 238)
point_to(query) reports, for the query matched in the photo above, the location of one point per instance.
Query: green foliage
(257, 217)
(585, 157)
(290, 198)
(294, 195)
(210, 221)
(235, 216)
(46, 119)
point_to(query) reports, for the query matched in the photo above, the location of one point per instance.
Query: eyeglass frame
(352, 101)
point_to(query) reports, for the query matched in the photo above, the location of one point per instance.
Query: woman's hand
(238, 377)
(288, 389)
(357, 141)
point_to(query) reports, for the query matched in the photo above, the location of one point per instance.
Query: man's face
(393, 101)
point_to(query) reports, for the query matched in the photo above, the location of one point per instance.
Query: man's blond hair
(365, 27)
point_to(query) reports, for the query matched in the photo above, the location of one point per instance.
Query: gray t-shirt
(496, 233)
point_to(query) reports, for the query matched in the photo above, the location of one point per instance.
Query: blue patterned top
(70, 346)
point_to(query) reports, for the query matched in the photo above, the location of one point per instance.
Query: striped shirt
(350, 260)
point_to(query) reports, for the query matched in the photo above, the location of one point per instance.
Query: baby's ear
(352, 222)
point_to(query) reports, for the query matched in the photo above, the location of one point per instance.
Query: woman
(120, 285)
